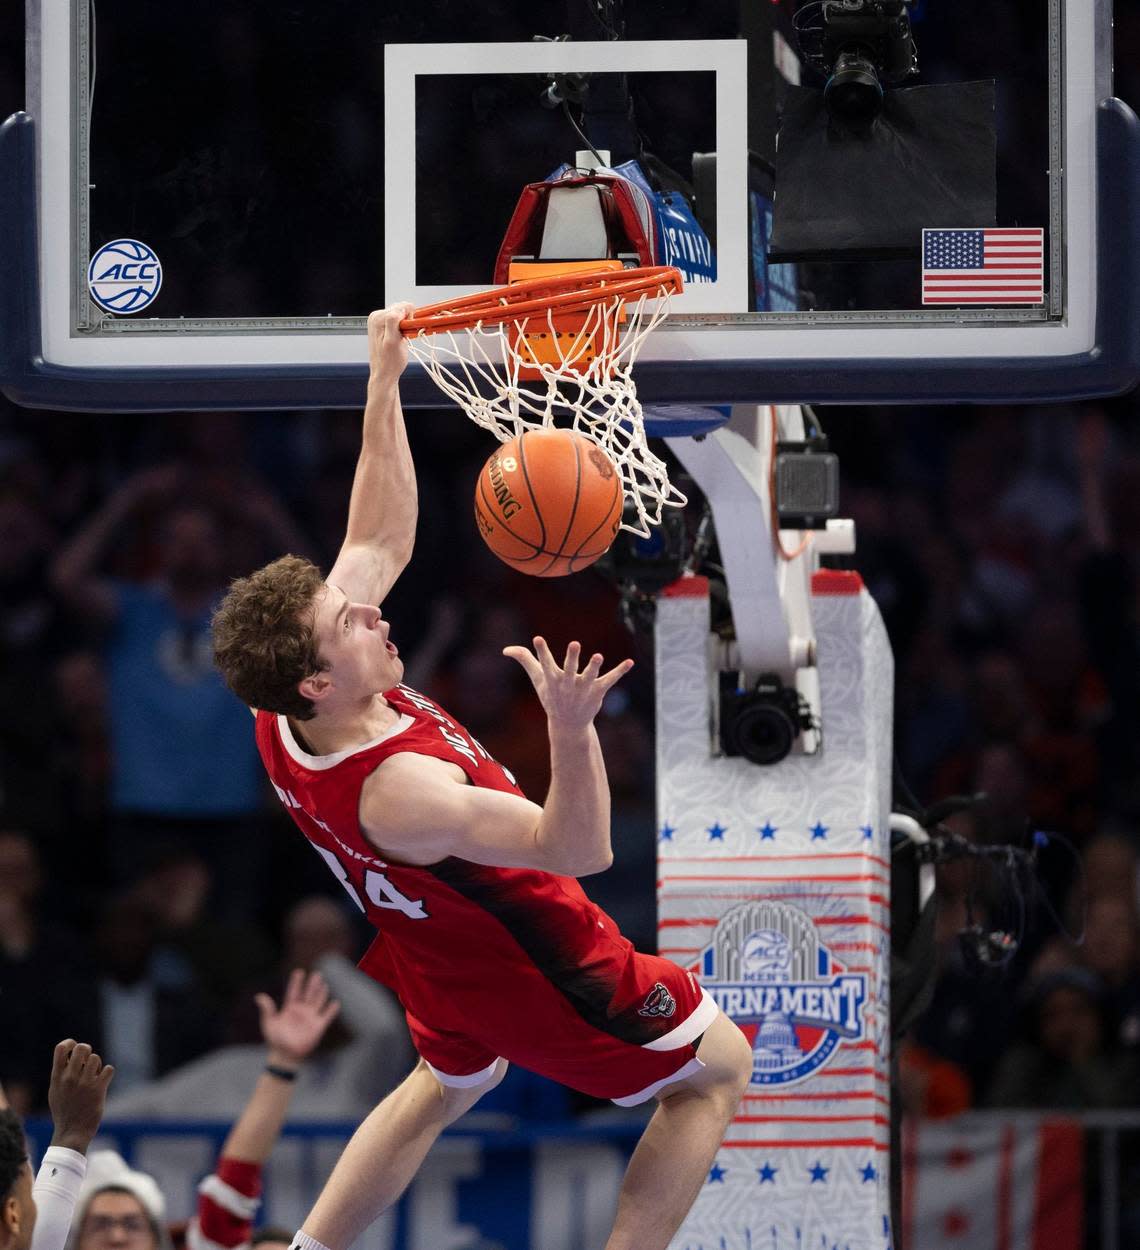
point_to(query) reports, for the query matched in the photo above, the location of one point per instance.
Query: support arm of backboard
(769, 585)
(731, 466)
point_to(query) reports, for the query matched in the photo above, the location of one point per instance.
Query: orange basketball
(549, 502)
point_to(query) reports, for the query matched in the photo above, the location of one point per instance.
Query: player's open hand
(570, 698)
(387, 347)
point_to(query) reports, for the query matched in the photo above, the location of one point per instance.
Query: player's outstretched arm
(383, 505)
(418, 809)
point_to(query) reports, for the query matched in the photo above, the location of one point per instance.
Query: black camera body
(857, 45)
(762, 722)
(877, 29)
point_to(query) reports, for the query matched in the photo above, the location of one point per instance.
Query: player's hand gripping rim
(387, 347)
(571, 699)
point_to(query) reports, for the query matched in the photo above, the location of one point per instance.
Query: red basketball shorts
(618, 1054)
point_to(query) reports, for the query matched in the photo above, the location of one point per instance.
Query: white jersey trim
(631, 1100)
(231, 1200)
(464, 1082)
(689, 1029)
(197, 1240)
(318, 762)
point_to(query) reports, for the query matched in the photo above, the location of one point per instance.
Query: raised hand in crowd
(293, 1030)
(77, 1094)
(227, 1199)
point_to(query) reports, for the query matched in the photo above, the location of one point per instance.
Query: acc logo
(767, 969)
(124, 276)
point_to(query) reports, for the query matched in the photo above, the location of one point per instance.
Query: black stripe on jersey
(589, 994)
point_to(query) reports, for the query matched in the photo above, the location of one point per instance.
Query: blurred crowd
(150, 886)
(1001, 546)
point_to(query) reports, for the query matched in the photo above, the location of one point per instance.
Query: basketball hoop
(557, 350)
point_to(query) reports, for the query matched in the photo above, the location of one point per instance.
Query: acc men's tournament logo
(768, 971)
(124, 276)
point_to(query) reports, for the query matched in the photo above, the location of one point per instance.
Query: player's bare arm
(383, 505)
(419, 810)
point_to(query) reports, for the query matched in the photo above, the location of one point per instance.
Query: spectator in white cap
(118, 1208)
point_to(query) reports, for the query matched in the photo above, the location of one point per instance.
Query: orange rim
(559, 293)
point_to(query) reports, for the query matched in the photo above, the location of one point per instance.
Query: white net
(493, 372)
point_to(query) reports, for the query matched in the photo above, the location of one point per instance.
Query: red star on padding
(959, 1157)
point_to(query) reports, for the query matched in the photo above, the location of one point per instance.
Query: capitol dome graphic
(766, 956)
(768, 970)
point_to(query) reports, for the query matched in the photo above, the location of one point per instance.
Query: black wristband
(282, 1074)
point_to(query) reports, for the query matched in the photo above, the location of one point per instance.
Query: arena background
(1001, 543)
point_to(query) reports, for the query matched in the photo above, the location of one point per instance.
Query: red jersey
(473, 952)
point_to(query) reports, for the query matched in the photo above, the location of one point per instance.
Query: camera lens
(762, 732)
(853, 92)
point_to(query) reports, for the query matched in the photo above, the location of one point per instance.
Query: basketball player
(494, 949)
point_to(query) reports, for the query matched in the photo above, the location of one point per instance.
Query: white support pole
(775, 880)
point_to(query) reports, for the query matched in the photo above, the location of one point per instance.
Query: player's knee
(726, 1069)
(727, 1054)
(501, 1066)
(457, 1102)
(742, 1061)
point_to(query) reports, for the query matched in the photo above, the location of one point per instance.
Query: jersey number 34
(380, 891)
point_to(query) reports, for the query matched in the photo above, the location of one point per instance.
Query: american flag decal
(999, 266)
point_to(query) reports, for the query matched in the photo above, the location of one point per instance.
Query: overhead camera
(861, 170)
(857, 45)
(762, 722)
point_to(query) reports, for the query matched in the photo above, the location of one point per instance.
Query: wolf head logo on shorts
(767, 969)
(658, 1002)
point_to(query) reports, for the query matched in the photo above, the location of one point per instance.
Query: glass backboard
(205, 202)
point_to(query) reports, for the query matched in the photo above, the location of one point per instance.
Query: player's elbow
(595, 863)
(577, 862)
(572, 850)
(405, 549)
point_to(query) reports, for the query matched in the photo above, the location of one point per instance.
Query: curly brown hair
(263, 636)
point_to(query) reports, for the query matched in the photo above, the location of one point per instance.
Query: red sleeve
(227, 1202)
